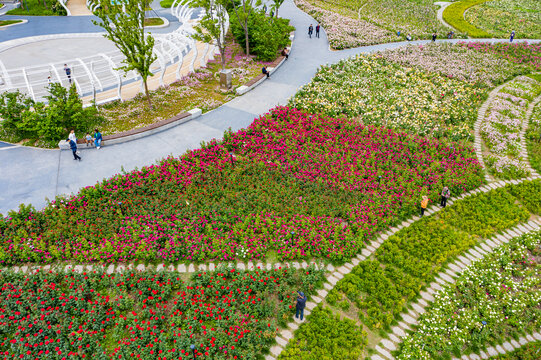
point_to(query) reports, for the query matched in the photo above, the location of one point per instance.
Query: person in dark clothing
(285, 53)
(512, 37)
(317, 30)
(68, 72)
(310, 30)
(73, 147)
(301, 304)
(445, 195)
(265, 71)
(434, 36)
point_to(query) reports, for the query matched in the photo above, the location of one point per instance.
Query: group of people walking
(89, 141)
(311, 30)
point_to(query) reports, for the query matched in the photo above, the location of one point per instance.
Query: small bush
(39, 8)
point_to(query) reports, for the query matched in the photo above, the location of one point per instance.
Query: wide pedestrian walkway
(29, 175)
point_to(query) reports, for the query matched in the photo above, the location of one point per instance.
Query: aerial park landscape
(287, 179)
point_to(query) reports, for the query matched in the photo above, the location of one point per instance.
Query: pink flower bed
(291, 186)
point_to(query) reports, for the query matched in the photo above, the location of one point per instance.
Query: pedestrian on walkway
(434, 36)
(301, 304)
(72, 136)
(265, 72)
(310, 30)
(317, 30)
(97, 139)
(512, 36)
(73, 147)
(68, 72)
(285, 53)
(445, 195)
(424, 204)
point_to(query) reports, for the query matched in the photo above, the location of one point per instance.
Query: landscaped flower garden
(494, 299)
(533, 137)
(291, 186)
(226, 314)
(500, 17)
(502, 126)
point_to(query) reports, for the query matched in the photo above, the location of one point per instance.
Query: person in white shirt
(72, 136)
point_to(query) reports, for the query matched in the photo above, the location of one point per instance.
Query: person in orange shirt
(424, 204)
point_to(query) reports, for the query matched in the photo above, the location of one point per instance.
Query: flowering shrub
(502, 125)
(342, 338)
(226, 314)
(500, 17)
(346, 32)
(298, 185)
(382, 93)
(464, 61)
(494, 299)
(380, 288)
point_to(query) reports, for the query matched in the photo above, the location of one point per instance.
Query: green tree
(243, 9)
(276, 5)
(212, 27)
(12, 107)
(124, 23)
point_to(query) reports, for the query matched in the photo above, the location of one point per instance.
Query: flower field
(502, 290)
(518, 54)
(345, 31)
(379, 288)
(471, 62)
(361, 22)
(502, 125)
(376, 91)
(413, 256)
(226, 314)
(500, 17)
(291, 186)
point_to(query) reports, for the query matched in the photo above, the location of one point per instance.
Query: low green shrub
(454, 16)
(326, 336)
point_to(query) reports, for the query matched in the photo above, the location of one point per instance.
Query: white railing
(98, 75)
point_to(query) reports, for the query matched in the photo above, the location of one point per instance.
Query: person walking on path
(97, 139)
(317, 30)
(72, 136)
(434, 36)
(445, 195)
(68, 72)
(512, 36)
(310, 30)
(301, 304)
(73, 147)
(424, 204)
(264, 71)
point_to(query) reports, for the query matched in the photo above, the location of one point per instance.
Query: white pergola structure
(99, 73)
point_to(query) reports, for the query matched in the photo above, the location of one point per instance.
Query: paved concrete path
(29, 175)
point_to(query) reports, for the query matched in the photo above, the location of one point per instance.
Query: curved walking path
(31, 175)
